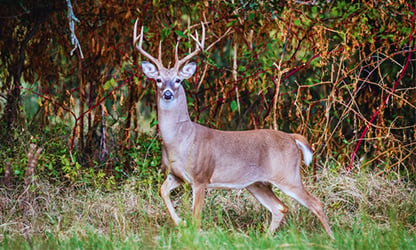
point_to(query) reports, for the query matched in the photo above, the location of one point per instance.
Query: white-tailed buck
(209, 158)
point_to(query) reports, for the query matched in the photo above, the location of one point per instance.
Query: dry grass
(137, 208)
(349, 197)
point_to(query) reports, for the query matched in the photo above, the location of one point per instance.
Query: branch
(72, 19)
(409, 55)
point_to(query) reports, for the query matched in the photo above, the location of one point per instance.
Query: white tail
(208, 158)
(305, 147)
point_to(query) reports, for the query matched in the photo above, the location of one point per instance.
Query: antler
(199, 47)
(139, 38)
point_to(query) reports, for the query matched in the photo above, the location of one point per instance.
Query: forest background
(76, 110)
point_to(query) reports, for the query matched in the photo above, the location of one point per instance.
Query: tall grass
(366, 212)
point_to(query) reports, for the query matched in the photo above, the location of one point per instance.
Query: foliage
(58, 164)
(325, 69)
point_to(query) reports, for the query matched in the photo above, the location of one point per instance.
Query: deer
(255, 160)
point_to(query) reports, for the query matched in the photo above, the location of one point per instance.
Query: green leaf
(153, 123)
(180, 34)
(234, 105)
(109, 84)
(231, 23)
(165, 33)
(314, 10)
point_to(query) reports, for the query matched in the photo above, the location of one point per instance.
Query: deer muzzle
(167, 94)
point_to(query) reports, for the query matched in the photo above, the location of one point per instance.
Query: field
(365, 211)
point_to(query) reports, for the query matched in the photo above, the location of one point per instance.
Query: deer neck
(173, 117)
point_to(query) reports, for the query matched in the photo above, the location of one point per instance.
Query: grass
(366, 212)
(220, 238)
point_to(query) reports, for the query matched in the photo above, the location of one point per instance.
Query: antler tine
(160, 51)
(203, 37)
(176, 51)
(138, 46)
(196, 38)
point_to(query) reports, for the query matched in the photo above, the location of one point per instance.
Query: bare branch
(72, 19)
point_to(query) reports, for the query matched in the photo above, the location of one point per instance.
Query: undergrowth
(58, 164)
(66, 206)
(365, 211)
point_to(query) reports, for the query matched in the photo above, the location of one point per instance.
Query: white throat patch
(167, 104)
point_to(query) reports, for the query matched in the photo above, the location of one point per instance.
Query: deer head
(168, 81)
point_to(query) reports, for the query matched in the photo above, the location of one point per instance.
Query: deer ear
(188, 70)
(149, 70)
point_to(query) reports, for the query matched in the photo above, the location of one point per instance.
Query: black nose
(167, 95)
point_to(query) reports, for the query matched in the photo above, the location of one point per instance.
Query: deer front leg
(170, 183)
(198, 193)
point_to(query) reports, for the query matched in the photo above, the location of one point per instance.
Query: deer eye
(178, 80)
(158, 80)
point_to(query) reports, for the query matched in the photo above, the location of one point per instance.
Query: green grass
(370, 237)
(365, 212)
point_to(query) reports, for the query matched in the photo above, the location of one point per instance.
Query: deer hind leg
(168, 185)
(265, 195)
(300, 194)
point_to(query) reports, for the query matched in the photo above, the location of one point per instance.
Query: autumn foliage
(342, 73)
